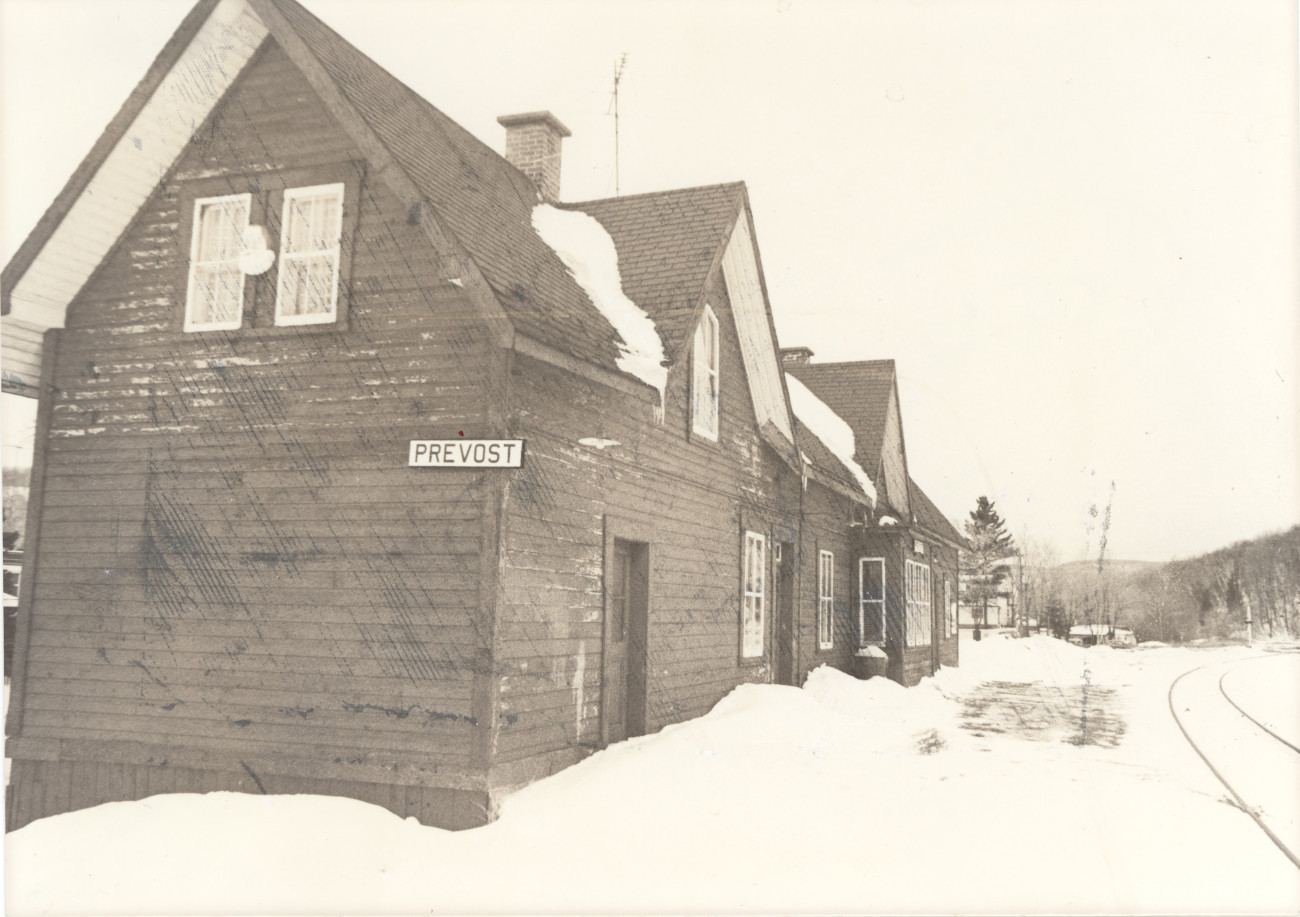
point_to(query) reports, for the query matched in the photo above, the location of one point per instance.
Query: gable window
(825, 600)
(871, 601)
(752, 612)
(704, 376)
(214, 298)
(918, 625)
(310, 233)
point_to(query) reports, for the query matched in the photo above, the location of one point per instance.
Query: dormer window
(215, 296)
(311, 229)
(704, 377)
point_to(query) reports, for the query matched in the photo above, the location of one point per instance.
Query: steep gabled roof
(823, 466)
(668, 243)
(930, 518)
(860, 393)
(484, 201)
(474, 207)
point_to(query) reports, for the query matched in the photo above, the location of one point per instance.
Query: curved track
(1256, 720)
(1259, 767)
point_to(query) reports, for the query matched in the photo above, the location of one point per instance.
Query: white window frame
(825, 600)
(753, 603)
(865, 604)
(705, 369)
(238, 319)
(286, 221)
(950, 607)
(920, 608)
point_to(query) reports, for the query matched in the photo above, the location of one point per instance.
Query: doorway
(627, 594)
(783, 563)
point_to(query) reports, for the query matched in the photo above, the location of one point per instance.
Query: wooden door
(783, 577)
(936, 628)
(623, 672)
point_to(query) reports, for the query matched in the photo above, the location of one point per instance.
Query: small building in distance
(1102, 635)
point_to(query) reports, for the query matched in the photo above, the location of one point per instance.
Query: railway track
(1259, 729)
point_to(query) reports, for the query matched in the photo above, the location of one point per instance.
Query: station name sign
(467, 453)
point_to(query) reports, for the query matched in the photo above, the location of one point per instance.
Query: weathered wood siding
(896, 544)
(688, 497)
(20, 356)
(894, 463)
(234, 558)
(826, 516)
(944, 566)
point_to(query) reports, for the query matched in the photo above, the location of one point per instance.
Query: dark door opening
(783, 577)
(627, 593)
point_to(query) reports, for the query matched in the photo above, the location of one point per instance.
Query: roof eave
(114, 131)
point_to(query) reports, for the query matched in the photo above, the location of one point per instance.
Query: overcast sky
(1072, 224)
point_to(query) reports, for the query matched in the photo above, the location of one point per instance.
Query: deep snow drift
(1037, 778)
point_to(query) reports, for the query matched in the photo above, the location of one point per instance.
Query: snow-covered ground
(1036, 778)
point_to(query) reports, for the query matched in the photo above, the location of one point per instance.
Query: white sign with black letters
(467, 453)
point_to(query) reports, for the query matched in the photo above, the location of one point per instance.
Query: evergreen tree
(988, 541)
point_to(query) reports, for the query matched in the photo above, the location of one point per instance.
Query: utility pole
(618, 77)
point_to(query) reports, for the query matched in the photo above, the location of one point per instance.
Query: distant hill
(1205, 597)
(1213, 594)
(1119, 567)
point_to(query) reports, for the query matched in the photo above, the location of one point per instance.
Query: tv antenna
(618, 76)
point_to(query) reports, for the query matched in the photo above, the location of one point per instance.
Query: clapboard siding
(237, 557)
(825, 528)
(20, 356)
(688, 498)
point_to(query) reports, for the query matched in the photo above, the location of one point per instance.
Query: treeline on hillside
(1213, 595)
(1205, 597)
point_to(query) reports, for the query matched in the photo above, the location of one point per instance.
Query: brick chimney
(533, 147)
(795, 355)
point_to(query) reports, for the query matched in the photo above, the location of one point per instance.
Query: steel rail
(1241, 803)
(1228, 697)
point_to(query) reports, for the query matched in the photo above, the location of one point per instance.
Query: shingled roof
(826, 467)
(859, 392)
(930, 518)
(484, 201)
(668, 242)
(470, 200)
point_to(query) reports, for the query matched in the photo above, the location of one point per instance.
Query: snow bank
(589, 253)
(840, 797)
(830, 428)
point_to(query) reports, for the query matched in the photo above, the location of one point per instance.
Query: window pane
(215, 294)
(320, 274)
(221, 226)
(873, 580)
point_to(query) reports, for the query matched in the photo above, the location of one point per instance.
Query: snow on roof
(589, 253)
(830, 428)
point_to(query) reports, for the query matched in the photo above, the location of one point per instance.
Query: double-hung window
(825, 600)
(310, 234)
(704, 376)
(754, 596)
(871, 601)
(949, 606)
(214, 300)
(919, 614)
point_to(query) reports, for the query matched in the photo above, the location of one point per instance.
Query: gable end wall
(241, 584)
